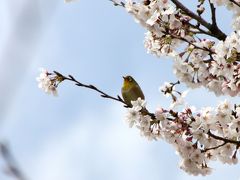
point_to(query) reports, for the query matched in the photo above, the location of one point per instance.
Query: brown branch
(213, 12)
(215, 31)
(12, 168)
(102, 94)
(223, 139)
(191, 14)
(190, 43)
(115, 3)
(234, 2)
(202, 31)
(145, 111)
(212, 148)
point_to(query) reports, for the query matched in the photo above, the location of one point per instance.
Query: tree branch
(154, 120)
(213, 11)
(192, 14)
(12, 168)
(212, 148)
(234, 2)
(223, 139)
(115, 3)
(102, 94)
(190, 43)
(200, 30)
(215, 31)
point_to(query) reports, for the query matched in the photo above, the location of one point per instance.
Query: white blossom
(139, 104)
(180, 100)
(46, 83)
(132, 117)
(153, 18)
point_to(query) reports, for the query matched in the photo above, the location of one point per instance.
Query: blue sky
(79, 135)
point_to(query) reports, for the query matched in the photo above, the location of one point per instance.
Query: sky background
(79, 135)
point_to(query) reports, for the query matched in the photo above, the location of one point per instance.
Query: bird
(131, 91)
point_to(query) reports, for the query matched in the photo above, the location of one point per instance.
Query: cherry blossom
(46, 83)
(203, 56)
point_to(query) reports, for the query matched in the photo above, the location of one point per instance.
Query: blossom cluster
(198, 137)
(48, 82)
(168, 89)
(162, 21)
(197, 62)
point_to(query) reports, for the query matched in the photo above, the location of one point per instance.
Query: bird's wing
(137, 92)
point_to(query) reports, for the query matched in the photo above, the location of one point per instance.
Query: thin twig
(200, 30)
(102, 94)
(212, 148)
(12, 168)
(223, 139)
(192, 14)
(234, 2)
(191, 43)
(215, 31)
(115, 3)
(213, 12)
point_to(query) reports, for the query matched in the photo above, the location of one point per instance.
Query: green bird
(131, 91)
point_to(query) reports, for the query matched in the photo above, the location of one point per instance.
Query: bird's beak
(124, 77)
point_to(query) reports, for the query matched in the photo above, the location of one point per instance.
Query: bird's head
(128, 81)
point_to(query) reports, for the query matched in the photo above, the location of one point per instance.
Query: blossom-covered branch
(198, 136)
(210, 133)
(203, 62)
(215, 31)
(50, 81)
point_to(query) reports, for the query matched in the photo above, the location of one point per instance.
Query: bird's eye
(129, 79)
